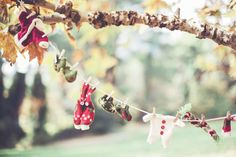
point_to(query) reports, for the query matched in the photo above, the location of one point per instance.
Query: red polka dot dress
(85, 110)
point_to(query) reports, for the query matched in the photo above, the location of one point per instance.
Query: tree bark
(101, 19)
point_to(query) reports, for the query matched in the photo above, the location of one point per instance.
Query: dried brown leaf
(6, 1)
(34, 51)
(8, 47)
(3, 13)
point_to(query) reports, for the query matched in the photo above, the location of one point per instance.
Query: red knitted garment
(34, 36)
(85, 110)
(203, 125)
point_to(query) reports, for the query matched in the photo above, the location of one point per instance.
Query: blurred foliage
(148, 66)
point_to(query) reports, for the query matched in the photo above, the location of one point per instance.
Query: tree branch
(101, 19)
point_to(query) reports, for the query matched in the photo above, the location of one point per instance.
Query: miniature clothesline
(116, 99)
(125, 102)
(208, 120)
(141, 110)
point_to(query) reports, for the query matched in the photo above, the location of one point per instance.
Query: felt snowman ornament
(85, 110)
(32, 29)
(161, 126)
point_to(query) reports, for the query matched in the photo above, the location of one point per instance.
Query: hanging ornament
(85, 110)
(226, 129)
(32, 29)
(161, 126)
(123, 112)
(108, 105)
(61, 64)
(202, 124)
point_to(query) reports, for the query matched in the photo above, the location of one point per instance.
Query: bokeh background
(150, 67)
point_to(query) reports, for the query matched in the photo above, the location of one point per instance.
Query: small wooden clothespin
(228, 115)
(62, 53)
(88, 80)
(96, 84)
(75, 66)
(110, 95)
(125, 102)
(203, 118)
(154, 111)
(177, 117)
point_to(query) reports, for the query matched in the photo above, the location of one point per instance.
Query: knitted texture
(108, 105)
(203, 125)
(161, 126)
(29, 30)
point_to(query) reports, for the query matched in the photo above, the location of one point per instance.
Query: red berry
(162, 127)
(163, 121)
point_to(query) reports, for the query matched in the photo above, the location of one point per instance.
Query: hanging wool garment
(107, 104)
(60, 63)
(203, 125)
(31, 31)
(120, 109)
(85, 110)
(123, 112)
(161, 126)
(226, 129)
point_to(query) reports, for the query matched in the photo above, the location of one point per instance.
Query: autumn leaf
(34, 51)
(213, 10)
(3, 13)
(8, 47)
(6, 1)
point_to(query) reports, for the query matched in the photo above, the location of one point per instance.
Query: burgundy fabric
(126, 116)
(204, 125)
(35, 35)
(227, 125)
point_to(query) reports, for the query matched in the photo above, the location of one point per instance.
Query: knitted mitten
(124, 112)
(107, 104)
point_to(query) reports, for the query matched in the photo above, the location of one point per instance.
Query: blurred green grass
(131, 141)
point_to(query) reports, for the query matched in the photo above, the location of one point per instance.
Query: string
(116, 99)
(136, 108)
(141, 110)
